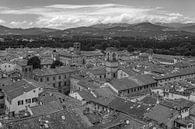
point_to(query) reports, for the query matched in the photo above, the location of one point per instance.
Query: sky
(62, 14)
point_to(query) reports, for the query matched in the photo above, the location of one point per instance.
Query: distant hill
(190, 28)
(30, 31)
(110, 25)
(144, 29)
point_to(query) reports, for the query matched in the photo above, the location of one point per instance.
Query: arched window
(108, 56)
(114, 56)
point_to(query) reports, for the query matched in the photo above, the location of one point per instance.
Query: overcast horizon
(62, 14)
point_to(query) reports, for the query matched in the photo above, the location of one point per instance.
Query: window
(59, 84)
(2, 97)
(47, 78)
(54, 85)
(28, 100)
(190, 125)
(41, 79)
(2, 106)
(34, 100)
(64, 76)
(64, 83)
(59, 77)
(20, 102)
(54, 78)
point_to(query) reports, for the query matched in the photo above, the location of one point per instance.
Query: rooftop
(177, 104)
(161, 114)
(133, 109)
(111, 49)
(48, 72)
(58, 120)
(88, 84)
(132, 81)
(20, 87)
(46, 109)
(98, 71)
(176, 73)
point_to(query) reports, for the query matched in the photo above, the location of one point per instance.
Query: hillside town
(57, 88)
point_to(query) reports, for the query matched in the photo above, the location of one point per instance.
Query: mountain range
(144, 29)
(19, 31)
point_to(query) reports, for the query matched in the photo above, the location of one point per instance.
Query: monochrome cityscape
(106, 64)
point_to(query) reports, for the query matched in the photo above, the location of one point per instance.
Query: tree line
(177, 46)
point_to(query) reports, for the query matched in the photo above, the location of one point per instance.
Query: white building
(21, 94)
(7, 67)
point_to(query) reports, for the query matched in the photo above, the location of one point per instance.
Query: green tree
(56, 63)
(193, 52)
(35, 62)
(130, 48)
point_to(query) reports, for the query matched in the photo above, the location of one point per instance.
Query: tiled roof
(48, 72)
(102, 100)
(20, 87)
(21, 62)
(181, 72)
(130, 108)
(105, 92)
(161, 114)
(111, 49)
(91, 53)
(98, 71)
(177, 104)
(86, 95)
(149, 100)
(46, 109)
(58, 120)
(165, 57)
(128, 70)
(87, 84)
(131, 82)
(5, 81)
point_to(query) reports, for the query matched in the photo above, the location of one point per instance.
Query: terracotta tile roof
(48, 72)
(161, 114)
(46, 109)
(131, 82)
(133, 109)
(20, 87)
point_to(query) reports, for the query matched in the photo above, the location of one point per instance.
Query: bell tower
(111, 63)
(77, 47)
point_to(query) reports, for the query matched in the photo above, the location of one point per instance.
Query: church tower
(77, 47)
(55, 55)
(111, 63)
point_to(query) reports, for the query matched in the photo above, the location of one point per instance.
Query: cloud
(2, 21)
(17, 23)
(66, 16)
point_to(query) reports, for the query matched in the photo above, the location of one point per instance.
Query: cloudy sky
(63, 14)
